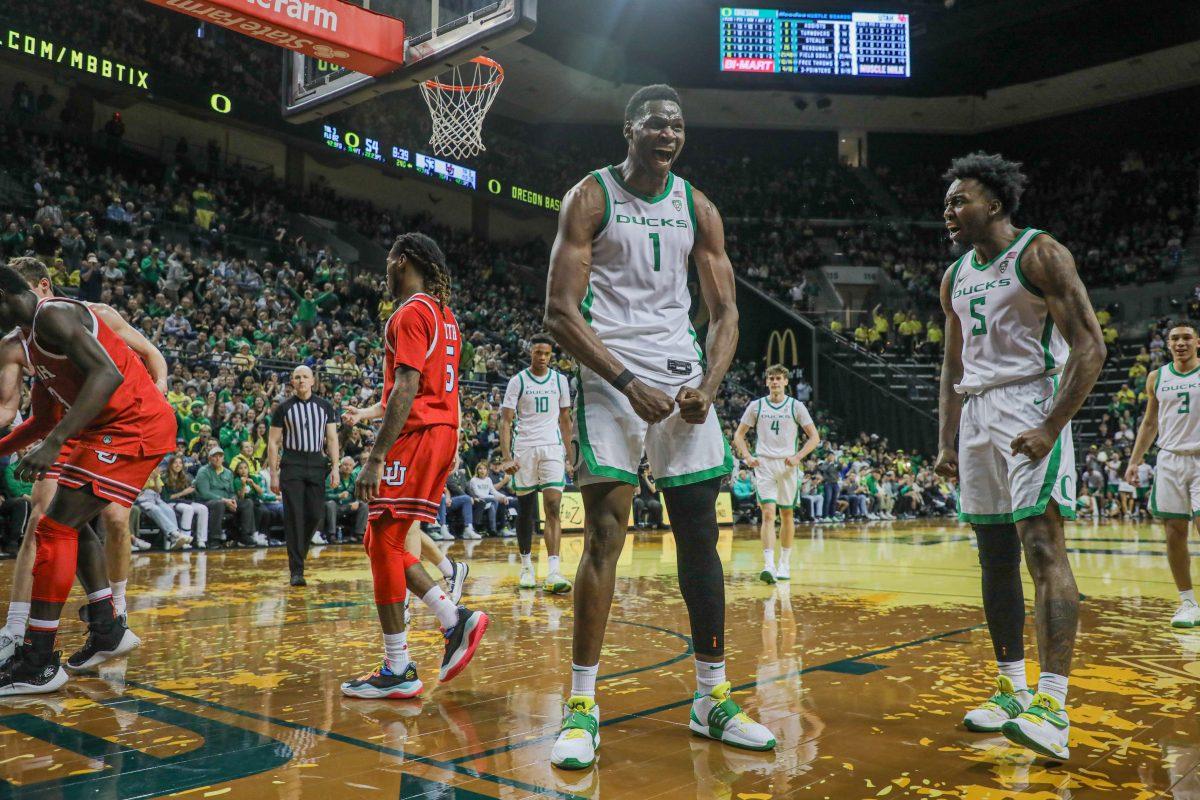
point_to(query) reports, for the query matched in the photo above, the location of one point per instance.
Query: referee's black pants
(302, 483)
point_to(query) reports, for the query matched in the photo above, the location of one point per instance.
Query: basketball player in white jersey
(1023, 350)
(1173, 416)
(617, 300)
(777, 420)
(534, 453)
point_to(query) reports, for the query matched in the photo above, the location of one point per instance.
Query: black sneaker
(383, 683)
(30, 673)
(457, 580)
(461, 642)
(106, 640)
(298, 580)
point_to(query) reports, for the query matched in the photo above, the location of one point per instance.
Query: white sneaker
(507, 532)
(1007, 703)
(767, 575)
(579, 737)
(555, 583)
(178, 542)
(1043, 728)
(1188, 615)
(8, 645)
(527, 580)
(259, 539)
(317, 538)
(717, 716)
(783, 572)
(445, 534)
(469, 533)
(136, 543)
(457, 580)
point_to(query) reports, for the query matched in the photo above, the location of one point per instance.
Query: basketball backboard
(438, 35)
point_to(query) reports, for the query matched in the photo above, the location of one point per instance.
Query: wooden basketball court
(862, 667)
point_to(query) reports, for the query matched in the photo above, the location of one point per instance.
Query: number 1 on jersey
(657, 251)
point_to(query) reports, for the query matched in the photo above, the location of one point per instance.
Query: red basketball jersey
(136, 420)
(423, 334)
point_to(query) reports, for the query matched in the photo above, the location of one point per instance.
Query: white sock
(526, 560)
(440, 605)
(395, 650)
(1187, 597)
(44, 624)
(18, 617)
(583, 680)
(1015, 672)
(1053, 685)
(118, 590)
(768, 560)
(553, 565)
(446, 568)
(785, 556)
(709, 676)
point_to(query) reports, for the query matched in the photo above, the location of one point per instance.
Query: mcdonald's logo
(783, 339)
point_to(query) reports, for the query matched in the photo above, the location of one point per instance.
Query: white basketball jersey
(1008, 335)
(777, 427)
(536, 402)
(1178, 409)
(637, 299)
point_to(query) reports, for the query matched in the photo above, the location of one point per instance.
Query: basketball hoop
(459, 105)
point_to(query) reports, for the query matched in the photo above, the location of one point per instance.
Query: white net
(458, 102)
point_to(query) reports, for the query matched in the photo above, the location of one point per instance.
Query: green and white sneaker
(555, 583)
(579, 737)
(1043, 728)
(717, 716)
(1007, 703)
(767, 577)
(527, 579)
(783, 572)
(1187, 616)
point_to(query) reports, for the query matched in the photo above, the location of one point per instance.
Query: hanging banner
(346, 35)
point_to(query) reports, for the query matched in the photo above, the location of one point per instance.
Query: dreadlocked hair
(429, 258)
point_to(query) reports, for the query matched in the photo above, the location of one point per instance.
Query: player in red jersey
(408, 466)
(13, 366)
(91, 389)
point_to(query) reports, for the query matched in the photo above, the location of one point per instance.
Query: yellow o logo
(352, 139)
(494, 186)
(220, 103)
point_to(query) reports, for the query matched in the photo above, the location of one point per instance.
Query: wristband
(621, 381)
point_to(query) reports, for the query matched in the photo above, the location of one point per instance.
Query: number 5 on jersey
(980, 322)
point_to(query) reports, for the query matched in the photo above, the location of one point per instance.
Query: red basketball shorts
(414, 474)
(117, 477)
(55, 471)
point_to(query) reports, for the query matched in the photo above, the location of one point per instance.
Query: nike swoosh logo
(621, 202)
(1039, 402)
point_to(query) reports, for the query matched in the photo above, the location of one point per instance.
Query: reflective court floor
(862, 666)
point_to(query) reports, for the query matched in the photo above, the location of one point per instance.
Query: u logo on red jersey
(106, 458)
(393, 474)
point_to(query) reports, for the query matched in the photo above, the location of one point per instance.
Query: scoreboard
(768, 40)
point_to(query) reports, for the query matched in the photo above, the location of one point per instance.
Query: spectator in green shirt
(215, 488)
(342, 506)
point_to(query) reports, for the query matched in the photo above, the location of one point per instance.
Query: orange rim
(454, 87)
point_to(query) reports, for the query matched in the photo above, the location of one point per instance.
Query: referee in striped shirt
(304, 427)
